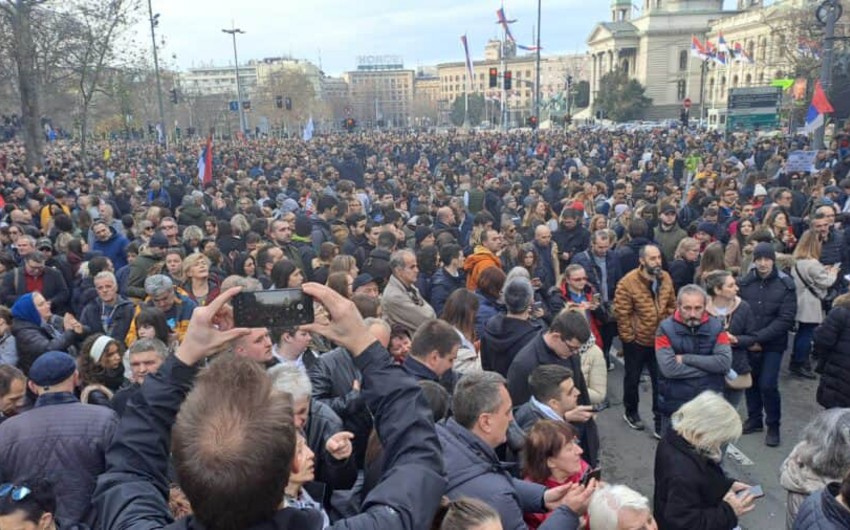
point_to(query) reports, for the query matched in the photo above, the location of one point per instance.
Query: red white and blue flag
(205, 163)
(470, 75)
(529, 48)
(506, 24)
(820, 106)
(697, 49)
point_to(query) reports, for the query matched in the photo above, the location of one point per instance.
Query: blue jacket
(594, 273)
(65, 441)
(706, 358)
(443, 285)
(133, 493)
(114, 248)
(821, 511)
(474, 471)
(774, 304)
(487, 309)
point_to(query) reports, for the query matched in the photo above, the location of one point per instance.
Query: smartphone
(280, 308)
(755, 491)
(589, 475)
(537, 306)
(597, 298)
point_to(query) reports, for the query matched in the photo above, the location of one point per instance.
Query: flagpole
(831, 12)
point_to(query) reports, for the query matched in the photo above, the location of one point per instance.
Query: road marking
(738, 456)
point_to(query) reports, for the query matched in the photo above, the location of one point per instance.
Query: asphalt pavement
(628, 456)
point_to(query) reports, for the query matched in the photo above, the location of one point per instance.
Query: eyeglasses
(582, 279)
(18, 493)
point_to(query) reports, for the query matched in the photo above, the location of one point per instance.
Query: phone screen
(589, 475)
(756, 491)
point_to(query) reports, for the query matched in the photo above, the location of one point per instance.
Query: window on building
(748, 81)
(762, 51)
(681, 89)
(683, 60)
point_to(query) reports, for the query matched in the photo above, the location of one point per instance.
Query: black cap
(158, 240)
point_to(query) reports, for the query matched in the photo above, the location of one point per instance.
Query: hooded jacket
(502, 338)
(122, 317)
(477, 263)
(114, 248)
(822, 511)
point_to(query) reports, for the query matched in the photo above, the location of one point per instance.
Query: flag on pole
(308, 130)
(205, 163)
(820, 106)
(722, 47)
(470, 75)
(697, 49)
(529, 48)
(503, 20)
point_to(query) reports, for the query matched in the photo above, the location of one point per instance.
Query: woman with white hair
(821, 457)
(613, 507)
(691, 490)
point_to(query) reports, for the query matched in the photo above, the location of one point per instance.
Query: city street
(628, 456)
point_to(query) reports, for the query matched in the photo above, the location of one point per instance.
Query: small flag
(205, 163)
(697, 49)
(721, 44)
(820, 106)
(503, 20)
(308, 130)
(470, 75)
(529, 48)
(107, 154)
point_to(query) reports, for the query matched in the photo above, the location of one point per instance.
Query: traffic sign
(687, 103)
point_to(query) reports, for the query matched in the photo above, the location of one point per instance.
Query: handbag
(826, 300)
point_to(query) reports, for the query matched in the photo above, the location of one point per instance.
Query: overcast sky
(423, 33)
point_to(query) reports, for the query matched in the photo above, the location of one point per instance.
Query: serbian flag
(697, 49)
(529, 48)
(722, 46)
(205, 163)
(470, 74)
(820, 106)
(503, 20)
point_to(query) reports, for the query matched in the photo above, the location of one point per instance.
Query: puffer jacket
(443, 284)
(32, 340)
(832, 340)
(822, 511)
(122, 318)
(774, 304)
(477, 263)
(638, 310)
(66, 441)
(800, 481)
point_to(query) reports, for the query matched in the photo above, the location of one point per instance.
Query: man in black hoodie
(505, 335)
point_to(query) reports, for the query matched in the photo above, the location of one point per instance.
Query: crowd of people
(473, 294)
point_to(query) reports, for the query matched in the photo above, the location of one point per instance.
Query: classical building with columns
(652, 42)
(653, 46)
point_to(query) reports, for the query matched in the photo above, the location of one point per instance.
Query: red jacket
(534, 520)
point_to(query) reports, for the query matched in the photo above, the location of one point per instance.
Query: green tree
(581, 97)
(620, 98)
(476, 110)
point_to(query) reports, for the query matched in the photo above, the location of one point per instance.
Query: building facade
(219, 81)
(381, 91)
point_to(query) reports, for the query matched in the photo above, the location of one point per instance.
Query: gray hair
(518, 294)
(606, 503)
(193, 232)
(146, 345)
(375, 321)
(708, 422)
(691, 290)
(600, 234)
(291, 379)
(517, 272)
(28, 238)
(106, 275)
(248, 285)
(825, 445)
(397, 258)
(158, 284)
(477, 393)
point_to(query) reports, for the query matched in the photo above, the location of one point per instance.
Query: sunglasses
(18, 493)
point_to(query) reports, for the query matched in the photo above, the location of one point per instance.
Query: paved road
(628, 456)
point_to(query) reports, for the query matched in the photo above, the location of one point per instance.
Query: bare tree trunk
(84, 133)
(24, 51)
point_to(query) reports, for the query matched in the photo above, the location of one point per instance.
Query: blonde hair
(808, 247)
(192, 260)
(687, 243)
(708, 422)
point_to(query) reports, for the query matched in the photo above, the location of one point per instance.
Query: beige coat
(809, 308)
(405, 307)
(594, 370)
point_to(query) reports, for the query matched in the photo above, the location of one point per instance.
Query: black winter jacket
(832, 341)
(627, 255)
(689, 488)
(682, 272)
(321, 425)
(502, 338)
(378, 265)
(122, 317)
(536, 353)
(573, 241)
(54, 288)
(774, 303)
(33, 340)
(443, 285)
(133, 492)
(333, 376)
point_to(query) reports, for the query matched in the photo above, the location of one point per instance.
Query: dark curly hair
(91, 372)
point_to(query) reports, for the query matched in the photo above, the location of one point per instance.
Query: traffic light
(246, 105)
(173, 92)
(494, 77)
(288, 103)
(190, 131)
(508, 80)
(532, 122)
(177, 132)
(349, 124)
(151, 129)
(278, 102)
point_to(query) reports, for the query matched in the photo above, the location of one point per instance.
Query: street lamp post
(243, 123)
(537, 80)
(154, 21)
